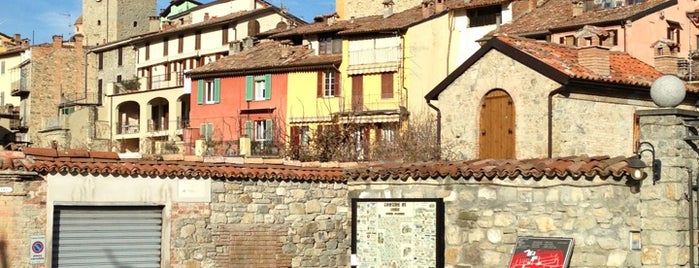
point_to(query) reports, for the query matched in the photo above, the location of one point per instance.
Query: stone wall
(22, 215)
(483, 219)
(264, 224)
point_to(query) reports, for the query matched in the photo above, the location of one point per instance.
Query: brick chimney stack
(79, 38)
(57, 41)
(427, 8)
(17, 38)
(594, 57)
(578, 7)
(439, 6)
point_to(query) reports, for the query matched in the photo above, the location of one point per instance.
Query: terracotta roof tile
(576, 167)
(556, 14)
(398, 21)
(267, 56)
(604, 167)
(624, 69)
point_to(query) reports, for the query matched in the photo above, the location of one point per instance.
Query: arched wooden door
(497, 126)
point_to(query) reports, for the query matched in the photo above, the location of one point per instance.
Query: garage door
(106, 236)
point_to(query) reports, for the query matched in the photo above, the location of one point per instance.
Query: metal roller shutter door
(106, 236)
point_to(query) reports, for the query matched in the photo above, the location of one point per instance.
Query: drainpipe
(439, 124)
(550, 118)
(690, 197)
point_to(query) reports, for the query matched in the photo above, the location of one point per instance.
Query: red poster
(541, 252)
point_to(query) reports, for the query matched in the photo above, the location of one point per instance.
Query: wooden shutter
(295, 136)
(321, 88)
(249, 80)
(268, 129)
(323, 45)
(337, 45)
(224, 34)
(165, 46)
(200, 91)
(248, 129)
(387, 85)
(217, 90)
(268, 87)
(337, 83)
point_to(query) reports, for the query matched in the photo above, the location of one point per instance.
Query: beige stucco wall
(9, 74)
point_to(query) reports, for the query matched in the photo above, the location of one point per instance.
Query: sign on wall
(541, 252)
(37, 249)
(398, 233)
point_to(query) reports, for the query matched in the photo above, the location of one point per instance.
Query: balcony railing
(375, 55)
(128, 129)
(174, 79)
(157, 125)
(266, 147)
(82, 98)
(368, 103)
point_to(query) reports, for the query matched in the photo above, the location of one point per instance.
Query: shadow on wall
(4, 262)
(6, 136)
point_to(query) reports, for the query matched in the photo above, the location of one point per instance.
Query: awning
(373, 68)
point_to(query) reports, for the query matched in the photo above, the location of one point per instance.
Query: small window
(484, 16)
(99, 22)
(2, 68)
(197, 40)
(329, 45)
(263, 130)
(260, 88)
(147, 50)
(180, 43)
(100, 61)
(206, 131)
(329, 84)
(135, 24)
(120, 57)
(224, 34)
(118, 78)
(209, 92)
(165, 46)
(67, 110)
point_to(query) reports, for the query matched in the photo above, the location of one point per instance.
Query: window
(253, 27)
(206, 131)
(209, 91)
(2, 68)
(99, 22)
(329, 45)
(120, 57)
(99, 85)
(224, 34)
(118, 78)
(135, 23)
(180, 43)
(484, 16)
(328, 84)
(147, 50)
(673, 32)
(612, 39)
(263, 130)
(100, 61)
(197, 40)
(167, 71)
(258, 87)
(165, 48)
(387, 85)
(67, 110)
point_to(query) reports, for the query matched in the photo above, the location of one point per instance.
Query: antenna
(67, 15)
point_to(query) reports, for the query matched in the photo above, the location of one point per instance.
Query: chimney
(285, 49)
(667, 64)
(235, 47)
(578, 7)
(206, 16)
(595, 58)
(79, 43)
(17, 38)
(439, 6)
(57, 41)
(427, 8)
(25, 43)
(387, 8)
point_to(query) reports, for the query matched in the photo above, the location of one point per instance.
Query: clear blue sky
(45, 18)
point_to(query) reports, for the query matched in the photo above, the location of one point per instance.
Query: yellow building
(389, 63)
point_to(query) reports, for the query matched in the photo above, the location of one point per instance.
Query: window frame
(209, 88)
(329, 84)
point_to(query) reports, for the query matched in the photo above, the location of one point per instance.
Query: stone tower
(106, 21)
(362, 8)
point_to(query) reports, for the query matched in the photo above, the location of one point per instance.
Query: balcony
(76, 99)
(19, 89)
(368, 103)
(175, 79)
(264, 148)
(128, 129)
(375, 55)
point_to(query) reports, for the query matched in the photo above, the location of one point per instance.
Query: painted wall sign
(398, 233)
(6, 189)
(37, 250)
(541, 252)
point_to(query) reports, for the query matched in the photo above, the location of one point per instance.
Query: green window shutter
(200, 92)
(249, 87)
(268, 129)
(248, 128)
(268, 85)
(217, 90)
